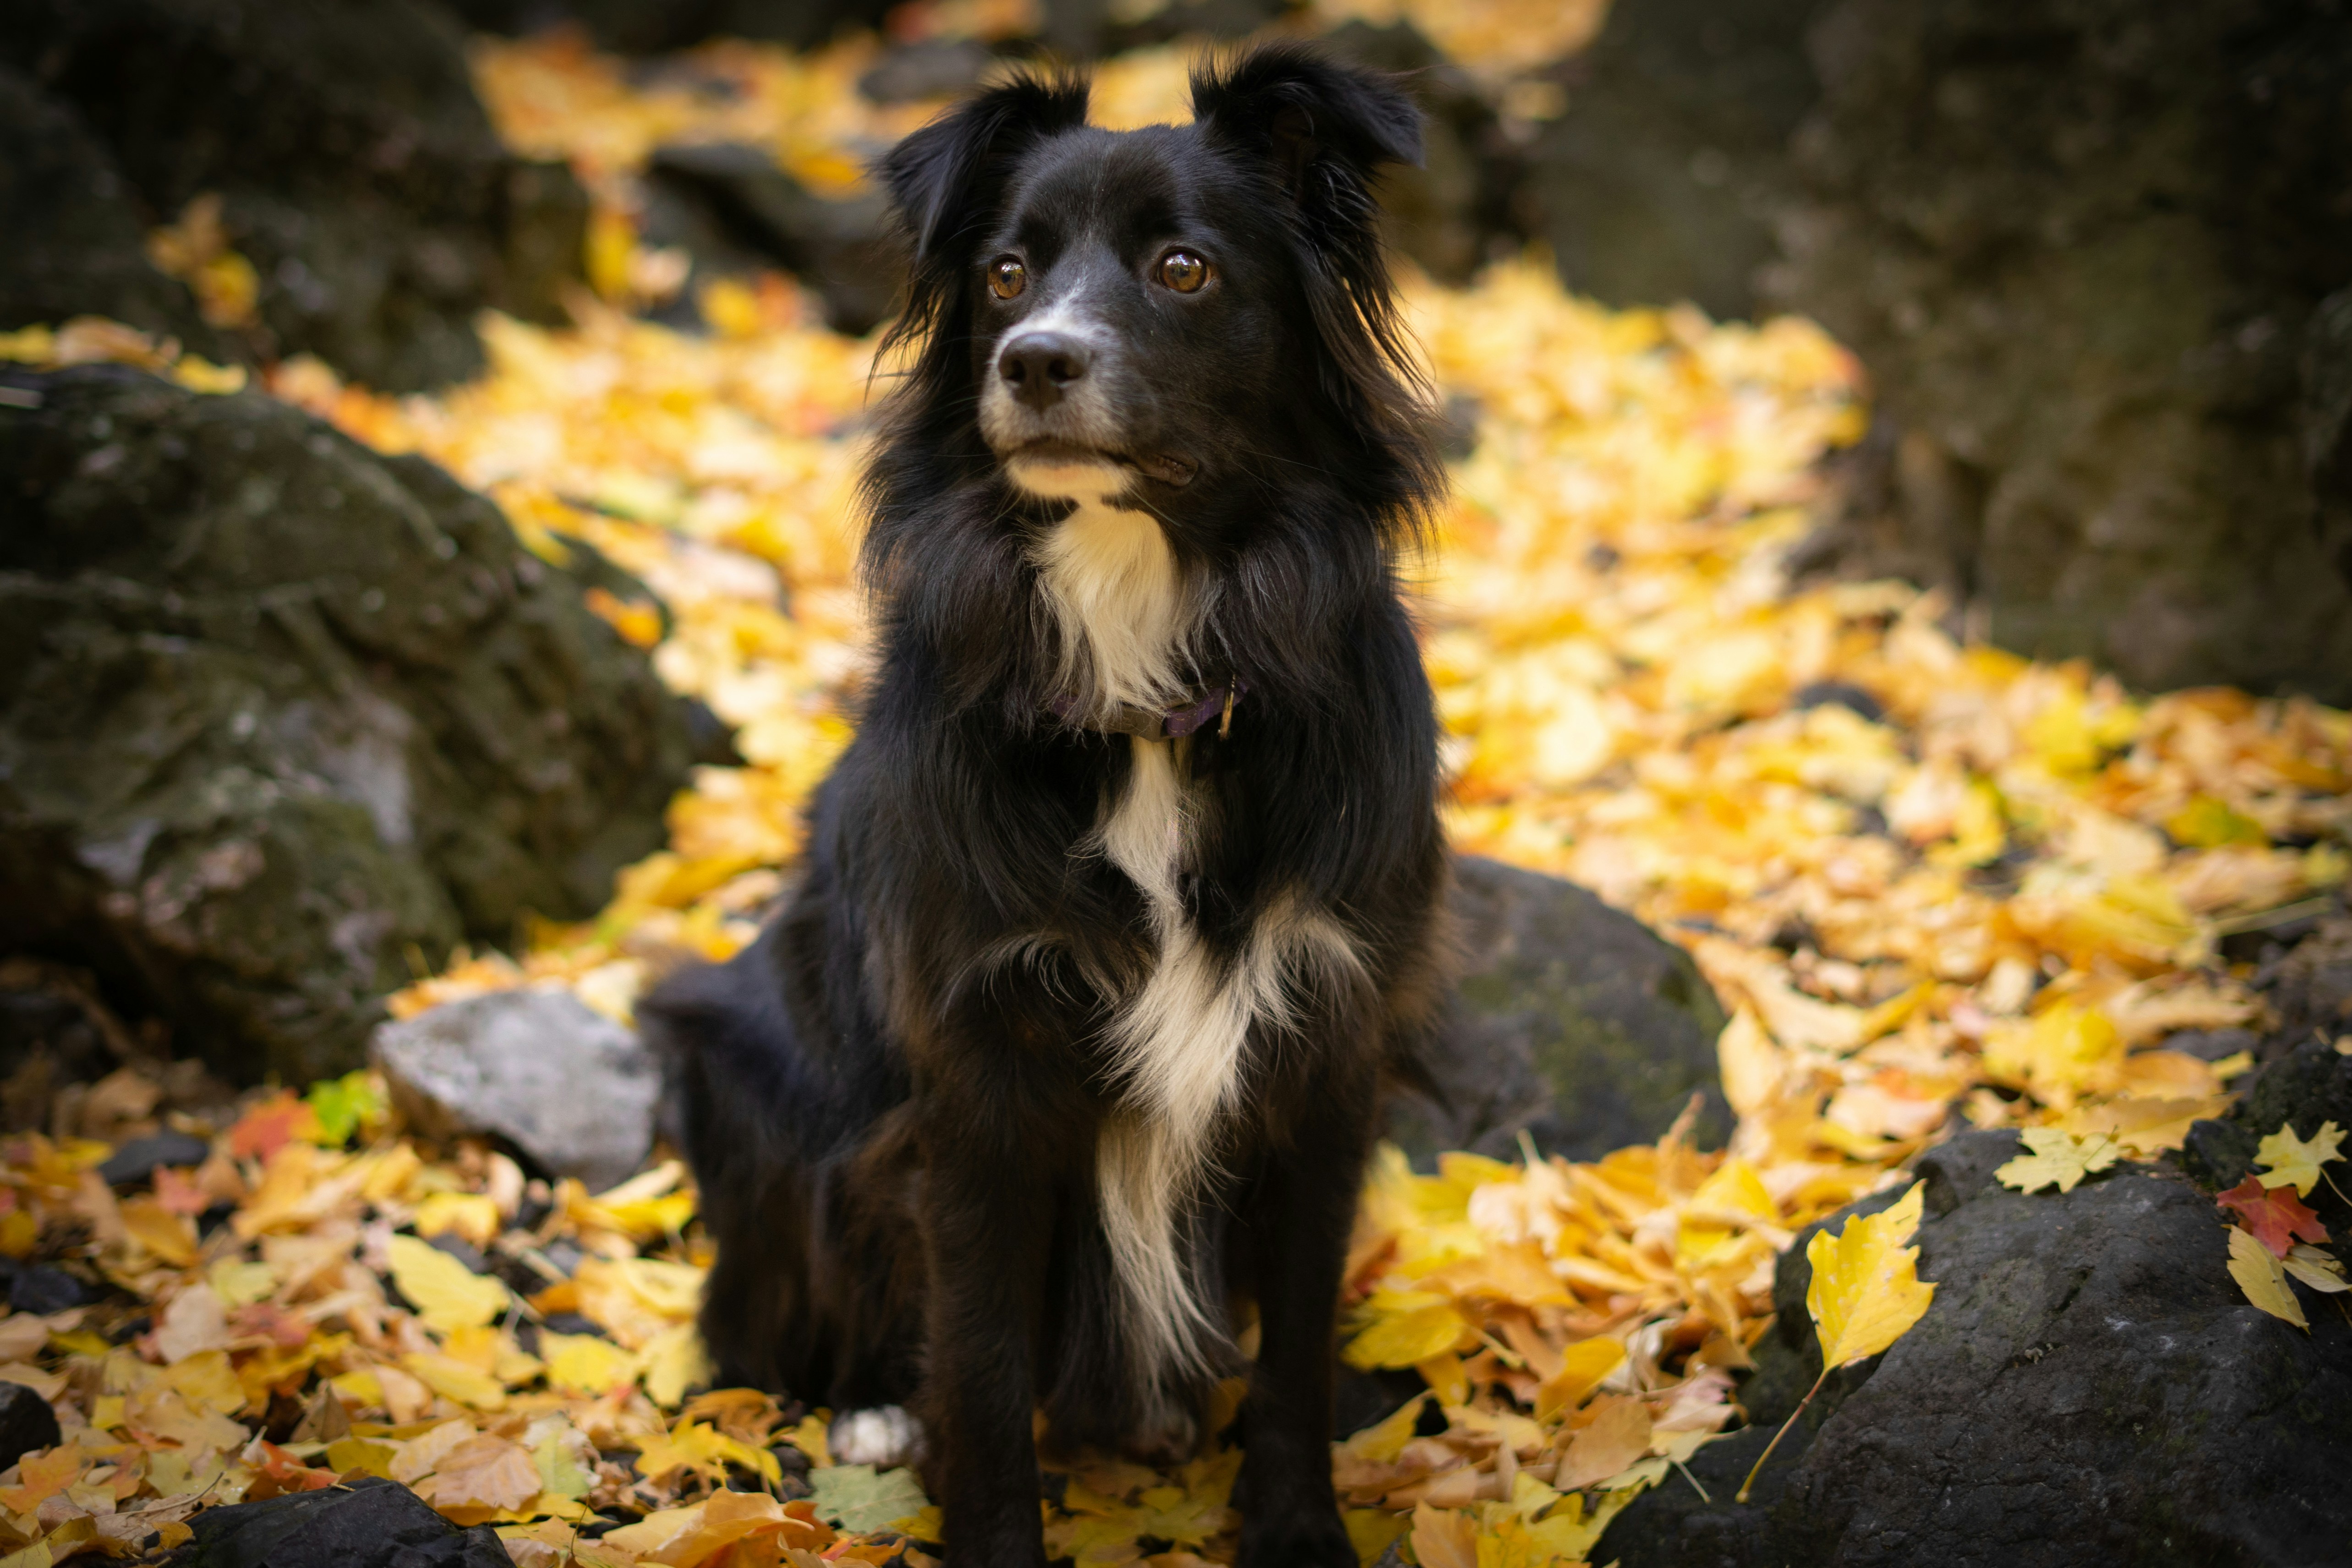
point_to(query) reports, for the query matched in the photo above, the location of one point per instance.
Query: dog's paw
(1301, 1541)
(882, 1437)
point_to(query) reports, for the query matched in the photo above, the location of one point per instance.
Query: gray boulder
(279, 716)
(543, 1070)
(1570, 1021)
(357, 170)
(2089, 1385)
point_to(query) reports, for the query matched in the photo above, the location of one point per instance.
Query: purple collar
(1215, 702)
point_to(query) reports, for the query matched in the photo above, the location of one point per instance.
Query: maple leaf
(2274, 1215)
(1583, 1365)
(480, 1476)
(2259, 1274)
(270, 1126)
(2058, 1159)
(2295, 1161)
(706, 1451)
(1865, 1294)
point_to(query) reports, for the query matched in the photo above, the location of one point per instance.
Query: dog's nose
(1040, 366)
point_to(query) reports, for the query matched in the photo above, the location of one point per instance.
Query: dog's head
(1161, 315)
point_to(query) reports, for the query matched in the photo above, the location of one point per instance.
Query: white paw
(882, 1437)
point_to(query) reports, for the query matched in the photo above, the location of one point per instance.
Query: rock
(2090, 1385)
(1662, 179)
(632, 27)
(276, 711)
(140, 1157)
(563, 1083)
(1570, 1021)
(368, 1522)
(2082, 248)
(358, 172)
(725, 200)
(77, 235)
(27, 1422)
(45, 1287)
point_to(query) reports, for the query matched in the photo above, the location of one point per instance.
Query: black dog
(1125, 898)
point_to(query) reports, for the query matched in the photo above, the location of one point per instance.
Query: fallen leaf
(2259, 1274)
(1583, 1366)
(1617, 1437)
(2291, 1160)
(484, 1473)
(2058, 1159)
(2319, 1270)
(2273, 1215)
(447, 1294)
(856, 1498)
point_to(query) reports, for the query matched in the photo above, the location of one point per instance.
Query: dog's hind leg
(1297, 1219)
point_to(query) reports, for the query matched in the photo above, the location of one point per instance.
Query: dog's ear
(1323, 129)
(943, 176)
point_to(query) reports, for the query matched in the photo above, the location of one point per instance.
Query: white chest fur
(1111, 584)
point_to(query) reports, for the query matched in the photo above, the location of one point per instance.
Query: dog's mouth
(1049, 460)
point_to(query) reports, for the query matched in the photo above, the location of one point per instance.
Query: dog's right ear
(948, 173)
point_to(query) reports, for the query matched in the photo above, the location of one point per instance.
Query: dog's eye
(1006, 278)
(1183, 272)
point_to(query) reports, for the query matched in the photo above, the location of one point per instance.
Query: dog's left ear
(1323, 129)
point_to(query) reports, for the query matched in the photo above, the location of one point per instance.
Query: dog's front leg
(988, 1211)
(1300, 1222)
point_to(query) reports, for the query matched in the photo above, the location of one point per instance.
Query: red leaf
(270, 1126)
(2276, 1216)
(177, 1191)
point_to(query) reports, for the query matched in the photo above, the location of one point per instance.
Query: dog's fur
(1069, 1045)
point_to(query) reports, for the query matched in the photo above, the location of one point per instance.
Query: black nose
(1040, 366)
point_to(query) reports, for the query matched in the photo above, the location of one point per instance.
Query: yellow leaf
(171, 1236)
(2208, 823)
(448, 1376)
(1866, 1291)
(675, 1362)
(584, 1364)
(1442, 1538)
(1372, 1530)
(809, 1438)
(474, 1215)
(1583, 1366)
(1617, 1437)
(2290, 1159)
(704, 1449)
(447, 1295)
(2057, 1159)
(2315, 1267)
(1407, 1327)
(1384, 1439)
(2064, 1051)
(2263, 1279)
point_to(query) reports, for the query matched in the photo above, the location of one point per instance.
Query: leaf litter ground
(1937, 884)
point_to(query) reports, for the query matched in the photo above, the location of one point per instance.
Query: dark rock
(1662, 178)
(935, 67)
(735, 194)
(2082, 247)
(2309, 986)
(566, 1085)
(27, 1423)
(77, 236)
(45, 1287)
(657, 27)
(2090, 1385)
(357, 170)
(1571, 1021)
(275, 710)
(139, 1159)
(369, 1523)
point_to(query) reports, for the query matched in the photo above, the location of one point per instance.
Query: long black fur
(893, 1123)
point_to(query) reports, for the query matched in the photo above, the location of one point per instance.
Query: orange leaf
(271, 1125)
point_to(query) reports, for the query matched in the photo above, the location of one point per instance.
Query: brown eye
(1183, 272)
(1007, 277)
